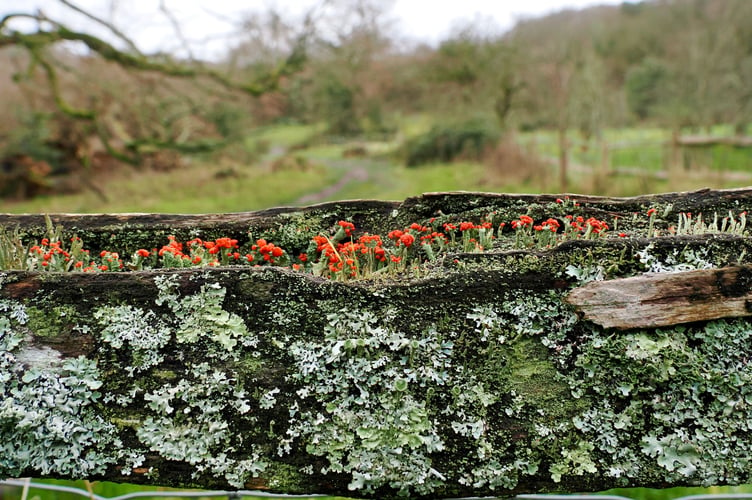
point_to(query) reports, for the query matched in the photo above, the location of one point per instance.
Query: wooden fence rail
(472, 374)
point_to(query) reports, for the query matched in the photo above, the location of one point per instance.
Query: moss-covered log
(470, 376)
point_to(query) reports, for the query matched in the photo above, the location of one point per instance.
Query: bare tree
(133, 103)
(349, 41)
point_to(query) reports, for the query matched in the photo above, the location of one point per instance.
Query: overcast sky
(207, 20)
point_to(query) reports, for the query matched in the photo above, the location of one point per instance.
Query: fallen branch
(656, 300)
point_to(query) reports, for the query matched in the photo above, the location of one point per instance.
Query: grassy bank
(292, 165)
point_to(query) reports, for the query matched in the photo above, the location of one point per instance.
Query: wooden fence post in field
(506, 344)
(675, 165)
(604, 167)
(563, 159)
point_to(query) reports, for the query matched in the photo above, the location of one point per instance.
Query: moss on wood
(474, 378)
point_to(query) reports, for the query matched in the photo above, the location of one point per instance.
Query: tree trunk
(470, 376)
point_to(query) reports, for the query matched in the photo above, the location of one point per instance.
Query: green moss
(286, 478)
(250, 364)
(474, 377)
(165, 374)
(294, 232)
(531, 374)
(124, 422)
(52, 321)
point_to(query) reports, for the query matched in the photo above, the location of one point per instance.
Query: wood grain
(664, 299)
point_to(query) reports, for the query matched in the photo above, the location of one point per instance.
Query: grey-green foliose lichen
(477, 379)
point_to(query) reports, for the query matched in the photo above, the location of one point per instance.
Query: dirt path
(356, 174)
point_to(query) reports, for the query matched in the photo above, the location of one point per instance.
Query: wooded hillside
(664, 62)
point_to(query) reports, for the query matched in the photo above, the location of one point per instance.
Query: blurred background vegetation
(614, 100)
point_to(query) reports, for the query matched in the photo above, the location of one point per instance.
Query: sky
(207, 23)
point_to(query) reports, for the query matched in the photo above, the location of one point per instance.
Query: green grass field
(109, 490)
(251, 181)
(642, 148)
(207, 187)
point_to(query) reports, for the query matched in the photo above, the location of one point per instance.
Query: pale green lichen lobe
(48, 417)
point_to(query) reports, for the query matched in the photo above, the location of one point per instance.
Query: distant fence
(28, 485)
(650, 157)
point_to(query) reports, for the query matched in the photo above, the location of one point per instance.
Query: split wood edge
(663, 299)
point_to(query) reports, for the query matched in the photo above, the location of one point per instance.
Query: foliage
(509, 160)
(446, 143)
(229, 120)
(645, 87)
(586, 70)
(32, 137)
(591, 62)
(123, 103)
(336, 103)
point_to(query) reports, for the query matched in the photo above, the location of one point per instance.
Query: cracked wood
(657, 299)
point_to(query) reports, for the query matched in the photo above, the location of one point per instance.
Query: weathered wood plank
(664, 299)
(703, 141)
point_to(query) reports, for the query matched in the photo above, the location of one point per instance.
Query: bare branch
(139, 62)
(176, 27)
(84, 114)
(19, 15)
(115, 31)
(132, 122)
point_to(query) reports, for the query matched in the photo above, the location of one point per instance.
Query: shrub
(445, 143)
(508, 162)
(336, 103)
(33, 138)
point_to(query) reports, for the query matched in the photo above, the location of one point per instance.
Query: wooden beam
(705, 141)
(658, 299)
(468, 377)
